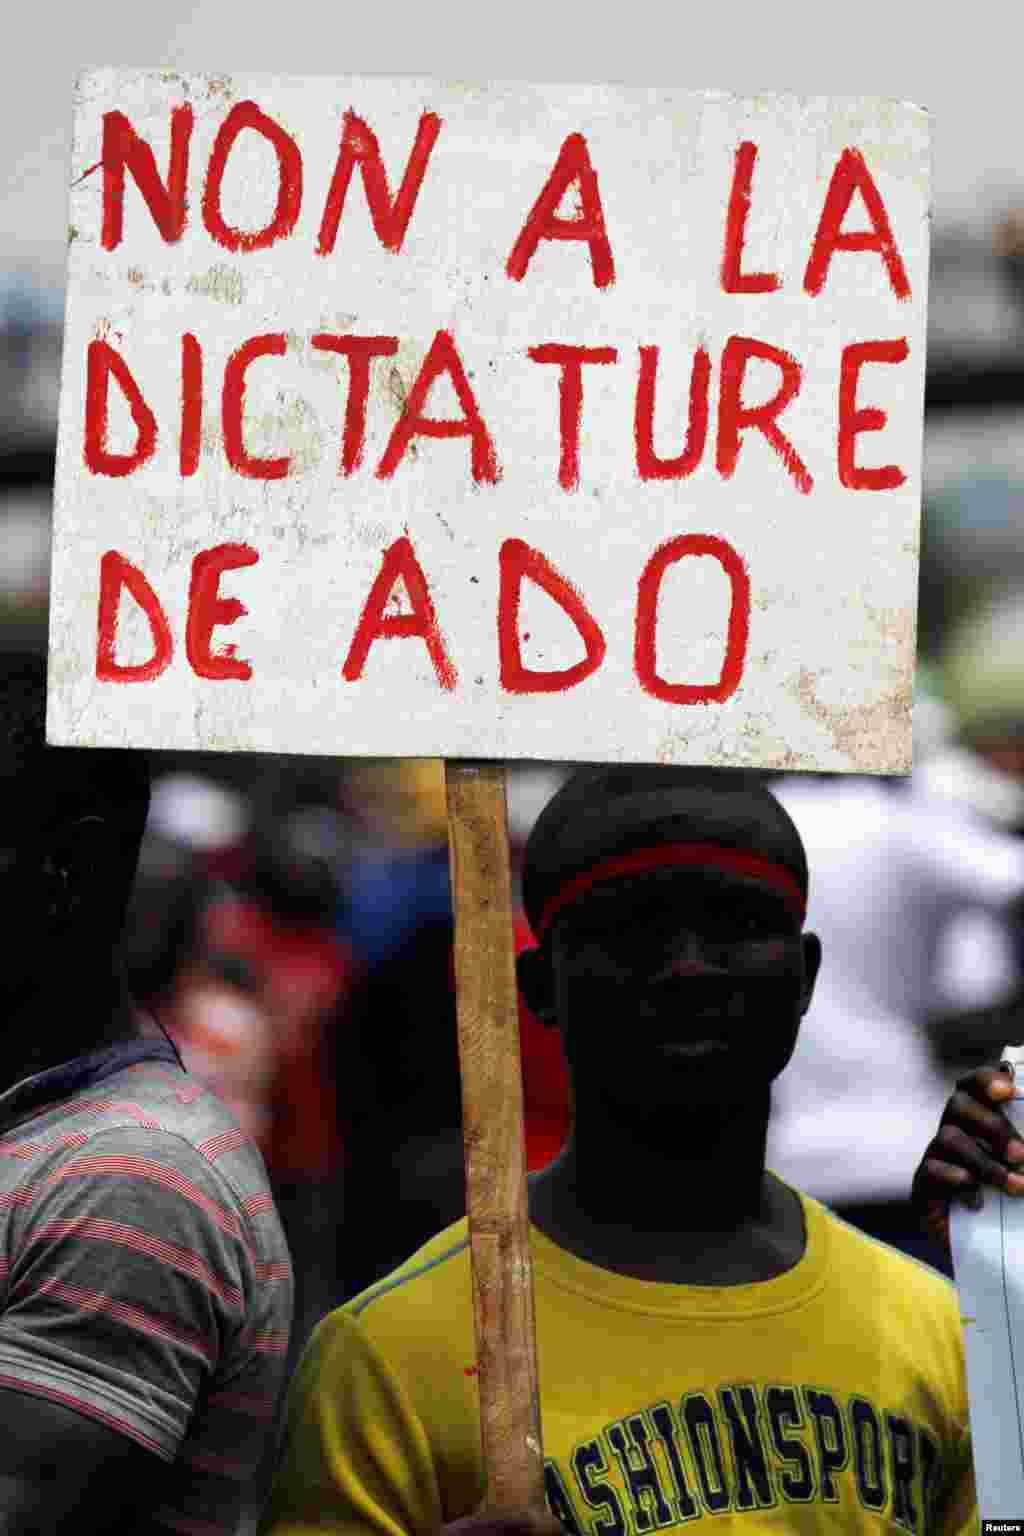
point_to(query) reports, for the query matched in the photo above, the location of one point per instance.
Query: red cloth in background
(546, 1110)
(304, 974)
(228, 864)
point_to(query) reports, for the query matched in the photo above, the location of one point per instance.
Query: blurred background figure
(398, 875)
(398, 1074)
(207, 1000)
(273, 932)
(895, 872)
(401, 1075)
(232, 945)
(917, 892)
(982, 773)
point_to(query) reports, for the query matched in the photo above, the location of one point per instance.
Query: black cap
(610, 821)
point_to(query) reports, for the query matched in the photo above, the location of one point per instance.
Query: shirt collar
(79, 1074)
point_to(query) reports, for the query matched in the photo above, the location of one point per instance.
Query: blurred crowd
(296, 943)
(291, 926)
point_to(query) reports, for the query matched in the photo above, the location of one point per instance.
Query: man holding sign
(507, 420)
(709, 1339)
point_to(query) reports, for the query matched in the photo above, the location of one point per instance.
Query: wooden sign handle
(495, 1152)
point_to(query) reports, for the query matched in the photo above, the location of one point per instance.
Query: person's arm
(61, 1471)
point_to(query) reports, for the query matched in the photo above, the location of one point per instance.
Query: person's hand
(521, 1520)
(975, 1145)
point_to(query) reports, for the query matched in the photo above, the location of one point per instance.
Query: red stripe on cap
(673, 856)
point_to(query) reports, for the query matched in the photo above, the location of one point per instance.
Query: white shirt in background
(907, 893)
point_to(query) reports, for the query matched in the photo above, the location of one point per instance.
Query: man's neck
(58, 1022)
(682, 1198)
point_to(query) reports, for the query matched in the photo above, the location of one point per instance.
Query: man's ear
(812, 964)
(537, 984)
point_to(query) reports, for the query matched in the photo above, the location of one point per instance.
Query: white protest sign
(988, 1264)
(413, 418)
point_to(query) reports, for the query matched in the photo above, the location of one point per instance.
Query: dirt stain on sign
(293, 429)
(874, 737)
(222, 283)
(398, 391)
(397, 388)
(220, 85)
(371, 535)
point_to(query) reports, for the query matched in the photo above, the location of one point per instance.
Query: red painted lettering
(359, 350)
(359, 147)
(122, 148)
(518, 561)
(649, 465)
(734, 279)
(867, 418)
(102, 361)
(645, 650)
(115, 573)
(191, 404)
(442, 358)
(852, 175)
(573, 165)
(399, 564)
(246, 114)
(570, 400)
(734, 417)
(207, 609)
(233, 405)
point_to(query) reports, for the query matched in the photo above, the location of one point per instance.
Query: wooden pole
(495, 1152)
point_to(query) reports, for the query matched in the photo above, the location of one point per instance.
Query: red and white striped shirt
(144, 1277)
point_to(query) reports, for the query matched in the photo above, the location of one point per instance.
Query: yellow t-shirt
(830, 1398)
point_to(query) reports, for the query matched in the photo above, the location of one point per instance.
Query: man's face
(681, 988)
